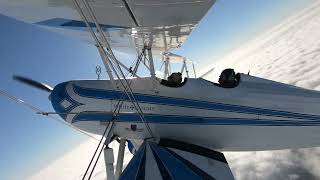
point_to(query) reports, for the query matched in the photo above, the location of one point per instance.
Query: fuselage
(258, 114)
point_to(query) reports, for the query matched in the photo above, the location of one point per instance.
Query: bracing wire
(96, 150)
(39, 111)
(116, 111)
(115, 65)
(89, 9)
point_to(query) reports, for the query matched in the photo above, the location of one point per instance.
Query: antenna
(208, 72)
(98, 71)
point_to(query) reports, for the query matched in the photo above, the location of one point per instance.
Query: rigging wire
(95, 164)
(116, 111)
(113, 58)
(39, 111)
(118, 70)
(95, 152)
(133, 100)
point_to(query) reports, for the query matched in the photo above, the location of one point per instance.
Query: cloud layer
(73, 164)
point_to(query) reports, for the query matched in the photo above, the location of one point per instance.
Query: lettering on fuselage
(129, 107)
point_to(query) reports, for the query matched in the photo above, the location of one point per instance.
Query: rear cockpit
(228, 79)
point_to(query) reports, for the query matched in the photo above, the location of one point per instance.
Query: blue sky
(30, 141)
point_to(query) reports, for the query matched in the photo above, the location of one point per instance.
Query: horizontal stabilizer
(170, 159)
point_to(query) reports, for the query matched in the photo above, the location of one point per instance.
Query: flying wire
(116, 67)
(116, 112)
(39, 111)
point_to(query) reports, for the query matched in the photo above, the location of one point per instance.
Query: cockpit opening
(174, 80)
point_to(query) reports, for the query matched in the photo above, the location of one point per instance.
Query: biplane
(175, 125)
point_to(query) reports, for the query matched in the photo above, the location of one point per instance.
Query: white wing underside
(161, 24)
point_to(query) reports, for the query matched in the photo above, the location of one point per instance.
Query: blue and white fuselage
(258, 114)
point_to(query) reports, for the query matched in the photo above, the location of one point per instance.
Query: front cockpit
(228, 79)
(174, 80)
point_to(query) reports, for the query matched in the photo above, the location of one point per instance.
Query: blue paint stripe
(60, 94)
(134, 165)
(177, 169)
(191, 166)
(161, 100)
(192, 120)
(75, 24)
(142, 166)
(162, 169)
(192, 148)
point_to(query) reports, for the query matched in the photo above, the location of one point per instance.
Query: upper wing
(161, 24)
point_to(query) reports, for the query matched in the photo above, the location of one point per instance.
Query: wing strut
(151, 66)
(119, 166)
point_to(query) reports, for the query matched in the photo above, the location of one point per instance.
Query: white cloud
(282, 164)
(74, 163)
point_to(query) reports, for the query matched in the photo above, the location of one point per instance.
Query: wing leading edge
(163, 24)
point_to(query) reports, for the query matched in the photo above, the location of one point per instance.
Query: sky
(30, 141)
